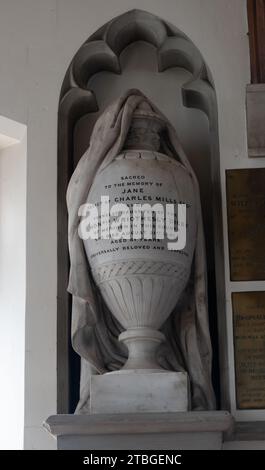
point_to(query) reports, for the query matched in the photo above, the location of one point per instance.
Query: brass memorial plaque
(249, 345)
(246, 223)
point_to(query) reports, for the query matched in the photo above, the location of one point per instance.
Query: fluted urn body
(141, 280)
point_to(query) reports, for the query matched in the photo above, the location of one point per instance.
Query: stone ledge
(248, 431)
(142, 431)
(140, 423)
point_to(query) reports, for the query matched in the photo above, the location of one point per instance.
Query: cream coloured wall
(13, 159)
(37, 41)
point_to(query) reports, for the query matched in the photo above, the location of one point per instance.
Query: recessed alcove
(138, 50)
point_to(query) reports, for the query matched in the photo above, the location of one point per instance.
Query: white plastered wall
(13, 158)
(37, 42)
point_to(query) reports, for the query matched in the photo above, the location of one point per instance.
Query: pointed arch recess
(101, 52)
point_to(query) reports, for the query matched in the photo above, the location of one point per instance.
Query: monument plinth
(134, 392)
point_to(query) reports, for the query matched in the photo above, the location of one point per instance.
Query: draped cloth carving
(94, 330)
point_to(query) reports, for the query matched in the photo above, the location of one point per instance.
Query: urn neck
(144, 133)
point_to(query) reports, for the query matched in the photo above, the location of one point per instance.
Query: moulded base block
(134, 392)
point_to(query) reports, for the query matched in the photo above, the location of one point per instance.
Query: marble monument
(139, 316)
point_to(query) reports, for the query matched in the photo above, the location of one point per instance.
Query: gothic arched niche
(139, 50)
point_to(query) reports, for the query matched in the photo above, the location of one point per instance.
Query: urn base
(139, 392)
(142, 344)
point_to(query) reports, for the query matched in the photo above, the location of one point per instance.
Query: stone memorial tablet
(246, 223)
(249, 345)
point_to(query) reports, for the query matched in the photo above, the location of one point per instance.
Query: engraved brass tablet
(249, 345)
(246, 223)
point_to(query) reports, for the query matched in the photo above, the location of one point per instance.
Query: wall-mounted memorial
(139, 311)
(138, 289)
(249, 346)
(246, 223)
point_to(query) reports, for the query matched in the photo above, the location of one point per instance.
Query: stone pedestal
(143, 431)
(139, 391)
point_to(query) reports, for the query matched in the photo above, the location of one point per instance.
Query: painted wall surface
(37, 42)
(12, 289)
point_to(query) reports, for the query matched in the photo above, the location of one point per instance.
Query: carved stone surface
(179, 431)
(132, 392)
(141, 280)
(101, 52)
(134, 281)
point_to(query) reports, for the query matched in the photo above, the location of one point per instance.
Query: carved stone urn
(141, 280)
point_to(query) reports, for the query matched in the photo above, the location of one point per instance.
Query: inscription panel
(249, 345)
(130, 180)
(246, 223)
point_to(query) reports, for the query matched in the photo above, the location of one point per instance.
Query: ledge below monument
(202, 430)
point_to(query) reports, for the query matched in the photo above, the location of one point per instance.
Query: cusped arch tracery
(101, 52)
